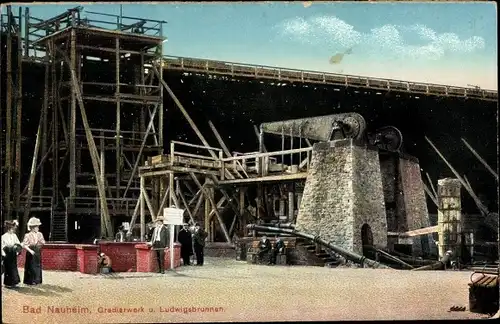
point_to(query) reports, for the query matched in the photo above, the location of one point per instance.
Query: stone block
(343, 192)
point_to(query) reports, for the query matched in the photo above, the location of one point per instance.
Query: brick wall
(54, 257)
(146, 258)
(83, 258)
(343, 191)
(123, 255)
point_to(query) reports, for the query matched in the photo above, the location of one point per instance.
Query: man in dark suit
(186, 241)
(159, 241)
(120, 235)
(279, 247)
(199, 237)
(264, 248)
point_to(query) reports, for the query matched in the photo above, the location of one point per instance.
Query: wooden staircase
(59, 226)
(308, 251)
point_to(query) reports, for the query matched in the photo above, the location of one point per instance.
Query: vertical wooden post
(291, 145)
(26, 31)
(242, 210)
(8, 112)
(19, 114)
(282, 148)
(55, 126)
(172, 190)
(141, 207)
(160, 115)
(118, 118)
(102, 168)
(72, 124)
(44, 128)
(103, 172)
(291, 203)
(261, 150)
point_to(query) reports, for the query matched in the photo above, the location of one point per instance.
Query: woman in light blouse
(34, 241)
(11, 247)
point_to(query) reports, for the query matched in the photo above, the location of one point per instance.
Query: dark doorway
(366, 238)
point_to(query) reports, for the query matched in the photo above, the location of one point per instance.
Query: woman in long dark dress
(11, 247)
(34, 241)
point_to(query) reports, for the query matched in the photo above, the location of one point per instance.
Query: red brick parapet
(55, 257)
(125, 257)
(146, 258)
(87, 258)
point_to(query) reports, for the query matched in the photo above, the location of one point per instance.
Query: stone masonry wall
(327, 201)
(414, 200)
(369, 204)
(331, 208)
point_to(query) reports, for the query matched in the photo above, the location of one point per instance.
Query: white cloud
(416, 41)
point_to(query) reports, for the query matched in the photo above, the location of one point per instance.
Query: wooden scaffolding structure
(85, 162)
(191, 176)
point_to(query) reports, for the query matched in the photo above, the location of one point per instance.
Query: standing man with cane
(159, 242)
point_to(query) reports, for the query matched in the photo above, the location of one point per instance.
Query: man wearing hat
(159, 241)
(199, 237)
(185, 239)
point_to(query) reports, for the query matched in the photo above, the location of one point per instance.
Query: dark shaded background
(234, 106)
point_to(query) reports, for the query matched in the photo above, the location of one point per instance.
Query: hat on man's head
(34, 222)
(159, 219)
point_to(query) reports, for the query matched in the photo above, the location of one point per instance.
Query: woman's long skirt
(11, 275)
(33, 267)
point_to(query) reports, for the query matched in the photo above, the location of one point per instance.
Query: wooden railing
(127, 204)
(304, 76)
(263, 161)
(176, 153)
(37, 202)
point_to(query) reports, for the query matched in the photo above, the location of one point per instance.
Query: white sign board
(173, 216)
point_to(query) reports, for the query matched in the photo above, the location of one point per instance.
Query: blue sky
(446, 43)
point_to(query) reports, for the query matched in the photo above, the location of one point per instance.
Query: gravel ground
(227, 290)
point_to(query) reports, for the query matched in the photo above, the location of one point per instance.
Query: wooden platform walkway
(206, 66)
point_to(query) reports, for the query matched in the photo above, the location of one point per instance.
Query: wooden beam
(417, 232)
(8, 114)
(480, 159)
(143, 215)
(31, 181)
(214, 205)
(257, 133)
(219, 205)
(138, 158)
(92, 147)
(134, 215)
(148, 202)
(223, 145)
(183, 111)
(478, 202)
(431, 185)
(163, 201)
(183, 200)
(285, 177)
(429, 193)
